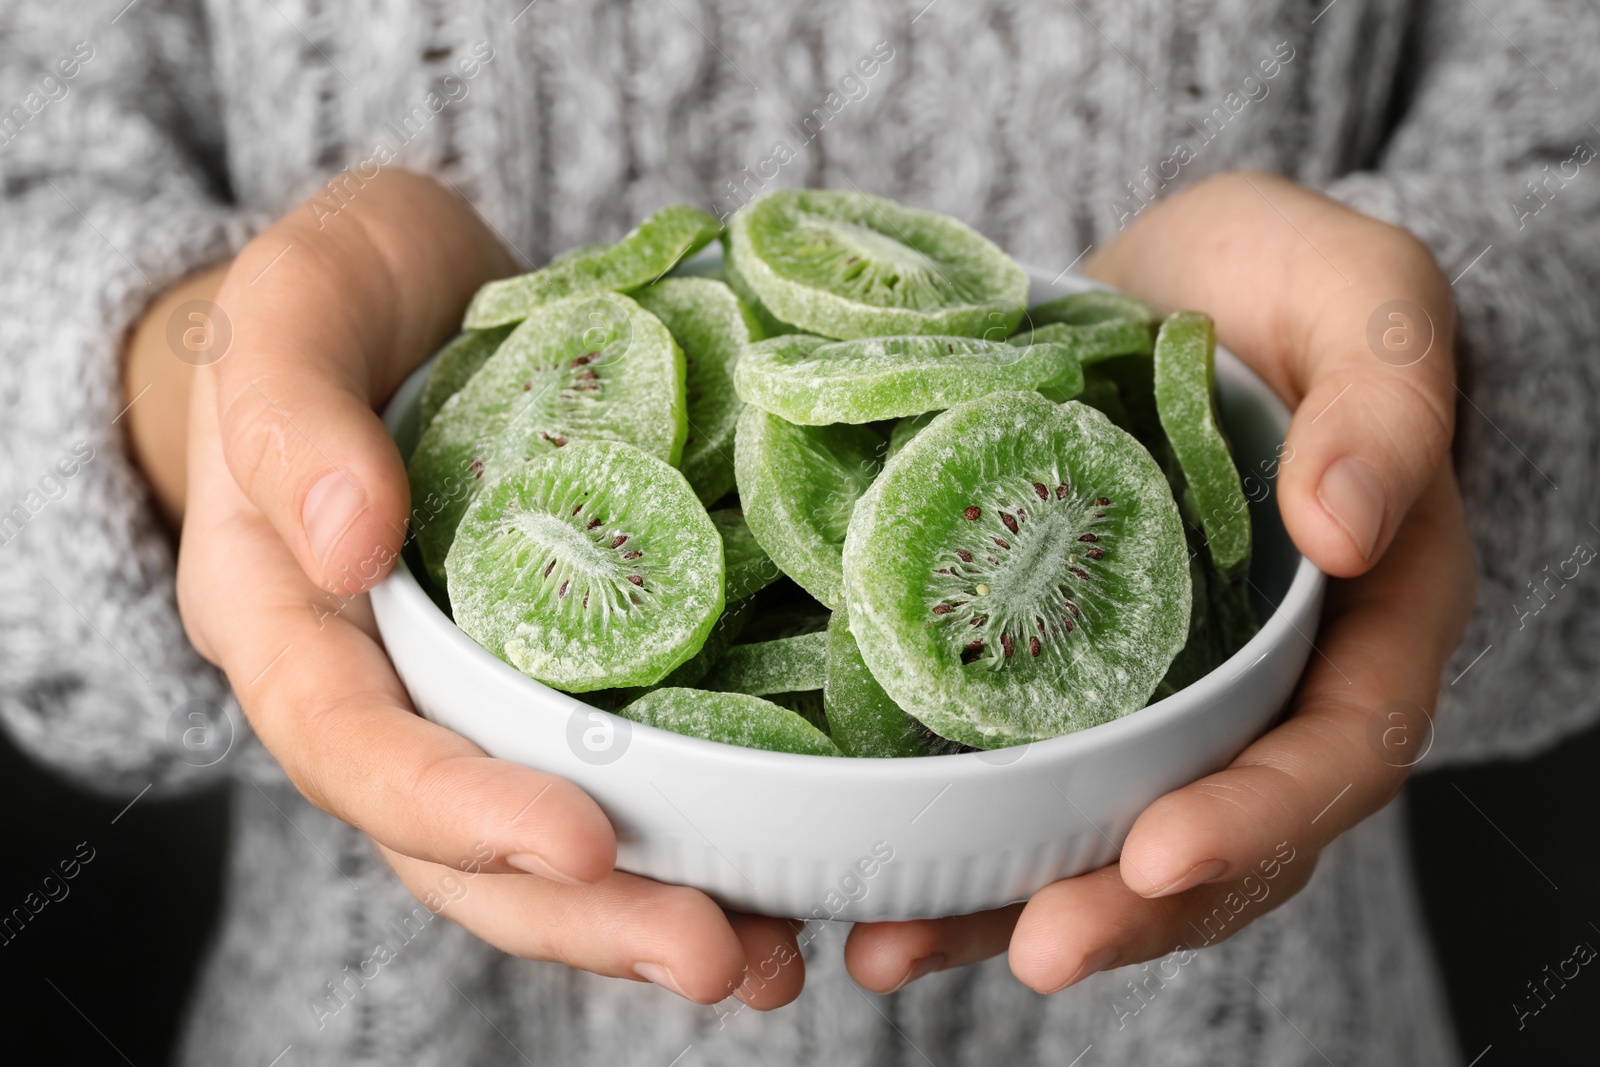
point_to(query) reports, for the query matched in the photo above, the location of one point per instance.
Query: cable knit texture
(191, 124)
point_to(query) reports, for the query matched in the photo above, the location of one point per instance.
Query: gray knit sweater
(183, 126)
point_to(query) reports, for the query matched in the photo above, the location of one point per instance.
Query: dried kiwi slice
(815, 382)
(771, 325)
(862, 719)
(749, 568)
(592, 567)
(787, 665)
(731, 718)
(1092, 344)
(850, 265)
(798, 485)
(1199, 655)
(648, 251)
(596, 366)
(458, 361)
(1094, 306)
(1018, 571)
(1185, 392)
(712, 326)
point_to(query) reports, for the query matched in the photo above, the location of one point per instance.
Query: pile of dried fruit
(826, 498)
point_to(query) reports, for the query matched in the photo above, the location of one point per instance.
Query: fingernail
(661, 976)
(1196, 875)
(921, 969)
(1352, 493)
(1093, 965)
(331, 506)
(527, 861)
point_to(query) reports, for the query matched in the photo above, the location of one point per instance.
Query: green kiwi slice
(787, 665)
(862, 719)
(648, 251)
(731, 718)
(771, 325)
(1092, 344)
(849, 265)
(1185, 394)
(592, 567)
(712, 326)
(458, 361)
(592, 366)
(1018, 571)
(749, 568)
(814, 382)
(797, 485)
(1094, 306)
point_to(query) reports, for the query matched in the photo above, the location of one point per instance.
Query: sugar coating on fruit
(592, 567)
(813, 382)
(1090, 344)
(849, 265)
(798, 486)
(749, 568)
(647, 252)
(589, 367)
(787, 665)
(731, 718)
(862, 719)
(458, 361)
(1094, 306)
(1185, 353)
(1018, 571)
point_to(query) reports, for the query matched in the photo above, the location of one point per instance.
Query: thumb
(1372, 429)
(328, 316)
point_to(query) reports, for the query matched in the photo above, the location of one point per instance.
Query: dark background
(121, 949)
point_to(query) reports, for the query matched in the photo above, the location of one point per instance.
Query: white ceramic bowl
(868, 839)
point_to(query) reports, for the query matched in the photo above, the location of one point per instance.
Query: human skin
(292, 501)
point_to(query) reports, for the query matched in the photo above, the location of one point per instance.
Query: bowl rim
(1304, 590)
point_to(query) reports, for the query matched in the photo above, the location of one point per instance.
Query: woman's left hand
(1294, 281)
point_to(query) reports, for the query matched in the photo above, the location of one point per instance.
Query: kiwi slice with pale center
(597, 367)
(713, 327)
(593, 567)
(648, 251)
(731, 718)
(458, 361)
(797, 485)
(1185, 395)
(1018, 571)
(850, 265)
(815, 382)
(786, 665)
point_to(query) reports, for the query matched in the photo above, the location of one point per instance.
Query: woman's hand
(1307, 292)
(296, 502)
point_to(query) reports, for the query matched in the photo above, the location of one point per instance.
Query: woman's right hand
(296, 503)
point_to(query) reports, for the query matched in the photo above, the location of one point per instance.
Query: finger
(1078, 927)
(1376, 418)
(323, 698)
(327, 316)
(1383, 644)
(775, 972)
(887, 956)
(1351, 324)
(624, 927)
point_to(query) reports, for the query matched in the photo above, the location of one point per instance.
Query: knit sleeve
(111, 188)
(1494, 165)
